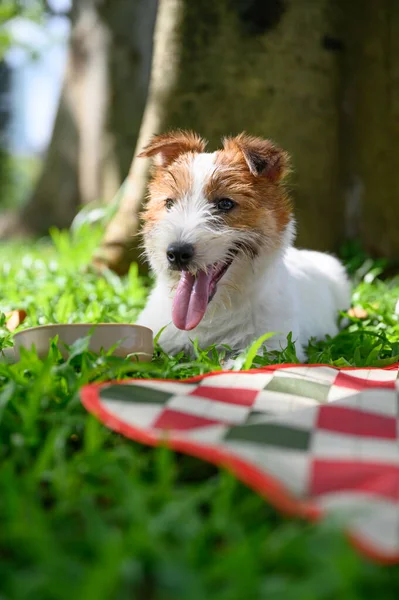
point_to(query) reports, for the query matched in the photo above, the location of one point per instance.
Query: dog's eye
(169, 203)
(225, 204)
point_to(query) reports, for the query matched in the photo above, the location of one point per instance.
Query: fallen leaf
(358, 312)
(14, 319)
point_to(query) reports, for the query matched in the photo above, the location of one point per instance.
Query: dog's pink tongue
(191, 300)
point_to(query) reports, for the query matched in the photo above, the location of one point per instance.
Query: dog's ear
(167, 147)
(262, 156)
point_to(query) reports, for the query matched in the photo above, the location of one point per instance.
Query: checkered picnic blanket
(313, 440)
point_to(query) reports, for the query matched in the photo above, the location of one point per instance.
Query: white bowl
(132, 338)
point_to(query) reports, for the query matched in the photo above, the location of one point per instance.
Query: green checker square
(271, 434)
(257, 416)
(299, 387)
(135, 393)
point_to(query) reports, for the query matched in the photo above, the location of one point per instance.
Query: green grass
(87, 514)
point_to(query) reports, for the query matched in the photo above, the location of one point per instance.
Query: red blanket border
(264, 484)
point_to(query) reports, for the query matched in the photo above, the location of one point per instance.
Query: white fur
(188, 220)
(282, 290)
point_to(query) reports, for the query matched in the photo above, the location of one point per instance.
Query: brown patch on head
(172, 153)
(168, 183)
(249, 171)
(166, 148)
(262, 156)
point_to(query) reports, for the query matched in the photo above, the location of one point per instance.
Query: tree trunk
(321, 79)
(5, 110)
(100, 110)
(267, 70)
(119, 248)
(371, 103)
(260, 67)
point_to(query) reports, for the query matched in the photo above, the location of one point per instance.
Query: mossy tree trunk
(5, 113)
(262, 67)
(119, 246)
(371, 125)
(321, 79)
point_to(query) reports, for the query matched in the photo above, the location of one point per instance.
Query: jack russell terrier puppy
(218, 234)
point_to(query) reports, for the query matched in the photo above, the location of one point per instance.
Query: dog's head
(208, 213)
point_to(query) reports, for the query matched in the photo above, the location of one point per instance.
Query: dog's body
(218, 234)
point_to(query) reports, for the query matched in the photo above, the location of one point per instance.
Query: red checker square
(239, 396)
(357, 383)
(367, 478)
(351, 421)
(174, 419)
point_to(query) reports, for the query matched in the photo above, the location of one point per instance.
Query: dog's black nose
(180, 255)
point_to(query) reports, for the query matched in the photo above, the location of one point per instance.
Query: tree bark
(321, 79)
(5, 113)
(268, 71)
(119, 248)
(100, 110)
(264, 70)
(371, 125)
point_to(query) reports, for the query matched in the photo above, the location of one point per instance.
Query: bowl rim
(64, 325)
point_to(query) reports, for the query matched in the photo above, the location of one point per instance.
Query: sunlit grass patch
(87, 514)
